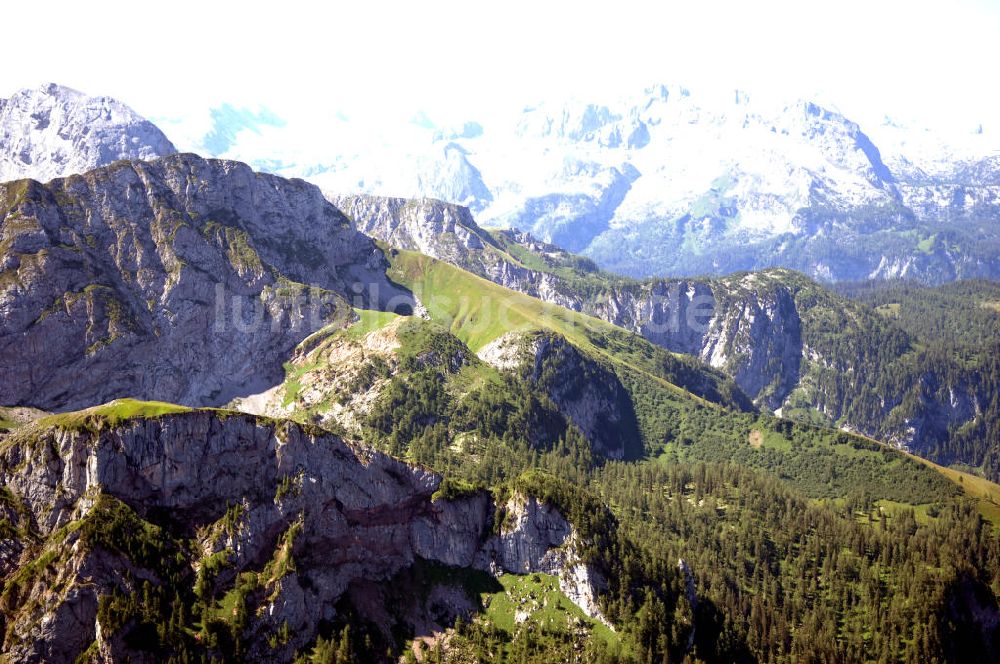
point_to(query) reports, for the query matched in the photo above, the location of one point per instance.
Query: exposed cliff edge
(288, 517)
(440, 230)
(53, 131)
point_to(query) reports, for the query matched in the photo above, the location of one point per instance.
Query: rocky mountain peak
(53, 131)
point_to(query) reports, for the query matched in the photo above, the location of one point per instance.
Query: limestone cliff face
(755, 335)
(53, 131)
(440, 230)
(448, 232)
(183, 279)
(536, 538)
(746, 325)
(249, 490)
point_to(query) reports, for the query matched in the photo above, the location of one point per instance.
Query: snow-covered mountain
(53, 131)
(663, 182)
(670, 181)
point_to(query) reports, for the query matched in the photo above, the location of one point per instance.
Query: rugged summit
(441, 230)
(53, 131)
(347, 378)
(589, 395)
(141, 277)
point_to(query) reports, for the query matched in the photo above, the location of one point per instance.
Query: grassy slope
(369, 321)
(538, 596)
(665, 388)
(985, 493)
(478, 311)
(415, 336)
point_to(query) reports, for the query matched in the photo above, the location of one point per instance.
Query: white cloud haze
(931, 61)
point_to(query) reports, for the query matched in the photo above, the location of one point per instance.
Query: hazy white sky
(930, 60)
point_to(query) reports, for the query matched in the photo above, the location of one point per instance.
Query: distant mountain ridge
(53, 131)
(673, 182)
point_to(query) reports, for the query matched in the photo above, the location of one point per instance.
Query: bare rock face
(440, 230)
(249, 490)
(185, 280)
(53, 131)
(755, 336)
(536, 538)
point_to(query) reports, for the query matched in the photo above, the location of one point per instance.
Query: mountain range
(244, 419)
(680, 183)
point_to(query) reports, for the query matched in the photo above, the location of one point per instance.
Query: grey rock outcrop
(448, 232)
(448, 171)
(440, 230)
(53, 131)
(536, 538)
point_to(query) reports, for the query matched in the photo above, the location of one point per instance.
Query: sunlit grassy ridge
(111, 414)
(369, 321)
(478, 311)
